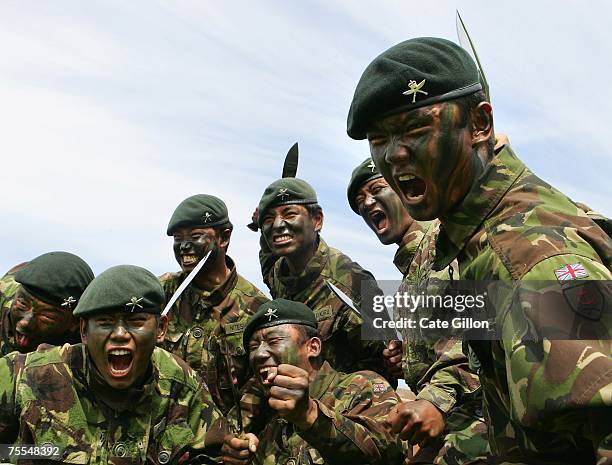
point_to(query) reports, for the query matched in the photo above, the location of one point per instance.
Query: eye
(196, 236)
(376, 140)
(48, 319)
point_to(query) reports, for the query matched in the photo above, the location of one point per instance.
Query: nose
(279, 222)
(396, 151)
(24, 323)
(185, 246)
(120, 332)
(260, 355)
(369, 201)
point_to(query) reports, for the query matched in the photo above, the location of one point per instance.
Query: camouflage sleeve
(448, 378)
(10, 368)
(266, 261)
(353, 431)
(553, 378)
(254, 408)
(208, 426)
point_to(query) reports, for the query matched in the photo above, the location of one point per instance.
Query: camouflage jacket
(547, 402)
(8, 289)
(339, 327)
(349, 428)
(170, 415)
(206, 328)
(439, 371)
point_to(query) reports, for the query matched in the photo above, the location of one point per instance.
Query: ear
(482, 123)
(317, 221)
(314, 345)
(224, 238)
(162, 328)
(83, 329)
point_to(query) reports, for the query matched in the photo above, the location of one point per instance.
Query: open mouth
(412, 187)
(282, 239)
(119, 362)
(188, 260)
(21, 339)
(379, 221)
(267, 374)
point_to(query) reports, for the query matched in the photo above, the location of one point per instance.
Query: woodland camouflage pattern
(8, 289)
(204, 326)
(349, 428)
(171, 414)
(546, 402)
(339, 327)
(439, 371)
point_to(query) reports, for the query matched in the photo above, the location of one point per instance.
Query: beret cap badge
(414, 89)
(207, 217)
(271, 313)
(282, 193)
(134, 302)
(372, 166)
(68, 301)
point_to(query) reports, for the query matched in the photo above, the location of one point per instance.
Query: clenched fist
(393, 359)
(417, 421)
(238, 450)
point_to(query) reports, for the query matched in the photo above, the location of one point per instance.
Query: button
(291, 461)
(197, 333)
(239, 351)
(163, 457)
(119, 450)
(478, 412)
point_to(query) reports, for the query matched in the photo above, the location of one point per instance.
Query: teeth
(282, 238)
(263, 371)
(119, 352)
(407, 177)
(189, 259)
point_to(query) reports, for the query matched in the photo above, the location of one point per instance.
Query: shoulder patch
(379, 387)
(586, 299)
(232, 328)
(323, 313)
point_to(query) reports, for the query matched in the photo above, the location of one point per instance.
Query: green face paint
(35, 322)
(288, 230)
(191, 244)
(120, 345)
(427, 157)
(383, 211)
(270, 347)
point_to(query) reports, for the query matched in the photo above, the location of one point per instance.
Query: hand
(417, 421)
(289, 395)
(238, 450)
(393, 359)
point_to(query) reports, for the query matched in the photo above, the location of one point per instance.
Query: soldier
(317, 415)
(207, 321)
(430, 131)
(297, 263)
(447, 412)
(115, 398)
(37, 299)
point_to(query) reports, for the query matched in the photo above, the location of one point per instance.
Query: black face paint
(192, 244)
(289, 230)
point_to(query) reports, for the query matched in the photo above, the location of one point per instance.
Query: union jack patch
(570, 272)
(379, 387)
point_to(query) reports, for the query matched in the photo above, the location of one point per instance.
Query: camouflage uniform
(8, 289)
(339, 327)
(439, 372)
(172, 413)
(546, 402)
(206, 326)
(349, 429)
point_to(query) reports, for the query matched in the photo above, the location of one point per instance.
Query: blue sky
(113, 112)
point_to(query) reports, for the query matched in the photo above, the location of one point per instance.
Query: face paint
(120, 345)
(36, 322)
(383, 211)
(289, 230)
(270, 347)
(426, 156)
(191, 244)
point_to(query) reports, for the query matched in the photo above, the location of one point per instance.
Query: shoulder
(172, 369)
(170, 280)
(245, 288)
(534, 223)
(364, 381)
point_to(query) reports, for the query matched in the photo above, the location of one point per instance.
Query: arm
(10, 369)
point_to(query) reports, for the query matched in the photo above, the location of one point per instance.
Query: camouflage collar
(410, 243)
(324, 379)
(310, 274)
(215, 297)
(7, 338)
(498, 177)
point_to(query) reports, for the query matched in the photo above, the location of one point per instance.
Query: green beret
(198, 211)
(58, 278)
(365, 172)
(123, 288)
(412, 74)
(286, 191)
(278, 312)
